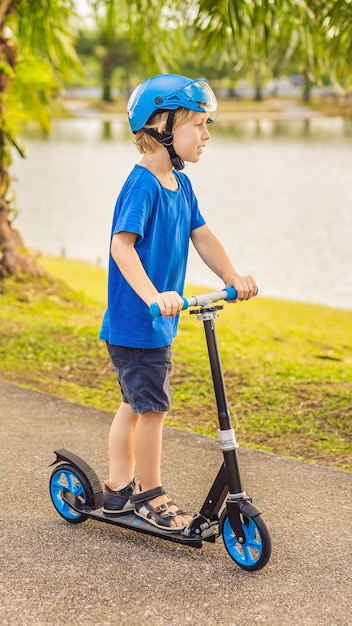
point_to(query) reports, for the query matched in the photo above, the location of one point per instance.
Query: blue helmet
(168, 92)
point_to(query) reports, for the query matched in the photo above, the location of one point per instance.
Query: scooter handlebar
(228, 293)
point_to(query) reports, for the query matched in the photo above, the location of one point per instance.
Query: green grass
(288, 366)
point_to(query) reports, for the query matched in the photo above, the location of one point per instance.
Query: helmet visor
(200, 92)
(133, 99)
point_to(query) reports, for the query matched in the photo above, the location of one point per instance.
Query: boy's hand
(169, 302)
(245, 286)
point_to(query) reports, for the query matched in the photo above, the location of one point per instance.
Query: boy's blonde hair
(147, 144)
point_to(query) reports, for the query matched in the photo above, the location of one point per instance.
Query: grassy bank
(288, 366)
(330, 106)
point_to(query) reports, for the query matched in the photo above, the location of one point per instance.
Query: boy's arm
(126, 258)
(214, 255)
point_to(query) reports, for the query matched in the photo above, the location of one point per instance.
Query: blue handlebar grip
(154, 308)
(232, 293)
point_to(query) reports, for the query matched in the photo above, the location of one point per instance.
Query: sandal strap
(163, 510)
(144, 496)
(179, 511)
(160, 516)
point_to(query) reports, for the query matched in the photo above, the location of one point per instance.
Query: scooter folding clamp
(228, 439)
(236, 497)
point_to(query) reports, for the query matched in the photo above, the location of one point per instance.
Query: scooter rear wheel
(255, 552)
(66, 476)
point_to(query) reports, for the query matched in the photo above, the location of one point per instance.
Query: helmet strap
(166, 138)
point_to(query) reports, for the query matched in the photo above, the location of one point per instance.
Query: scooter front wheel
(255, 552)
(66, 476)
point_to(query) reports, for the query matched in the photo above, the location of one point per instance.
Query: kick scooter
(76, 491)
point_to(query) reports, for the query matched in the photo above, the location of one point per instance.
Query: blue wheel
(66, 476)
(255, 552)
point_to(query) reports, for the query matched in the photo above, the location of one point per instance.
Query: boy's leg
(148, 445)
(121, 445)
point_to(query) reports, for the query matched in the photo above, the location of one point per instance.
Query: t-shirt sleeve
(197, 218)
(132, 210)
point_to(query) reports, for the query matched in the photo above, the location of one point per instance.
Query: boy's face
(190, 137)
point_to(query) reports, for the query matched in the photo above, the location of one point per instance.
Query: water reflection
(316, 128)
(277, 193)
(308, 129)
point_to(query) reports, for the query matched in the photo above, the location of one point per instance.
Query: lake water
(277, 193)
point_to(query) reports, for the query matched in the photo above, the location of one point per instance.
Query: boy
(155, 216)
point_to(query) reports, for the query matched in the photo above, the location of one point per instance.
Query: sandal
(117, 499)
(159, 516)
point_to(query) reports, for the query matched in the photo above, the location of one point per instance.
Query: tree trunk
(107, 71)
(307, 88)
(13, 256)
(258, 93)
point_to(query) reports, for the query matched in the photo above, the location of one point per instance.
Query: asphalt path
(55, 574)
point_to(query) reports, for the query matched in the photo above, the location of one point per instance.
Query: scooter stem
(227, 436)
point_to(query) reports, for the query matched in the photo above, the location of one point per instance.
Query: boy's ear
(162, 126)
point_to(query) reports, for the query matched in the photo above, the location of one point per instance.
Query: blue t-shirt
(163, 220)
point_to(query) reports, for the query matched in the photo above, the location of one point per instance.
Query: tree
(36, 54)
(112, 55)
(262, 36)
(156, 30)
(255, 35)
(336, 23)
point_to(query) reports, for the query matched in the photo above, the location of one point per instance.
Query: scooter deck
(133, 522)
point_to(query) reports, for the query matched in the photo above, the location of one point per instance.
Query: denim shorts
(143, 375)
